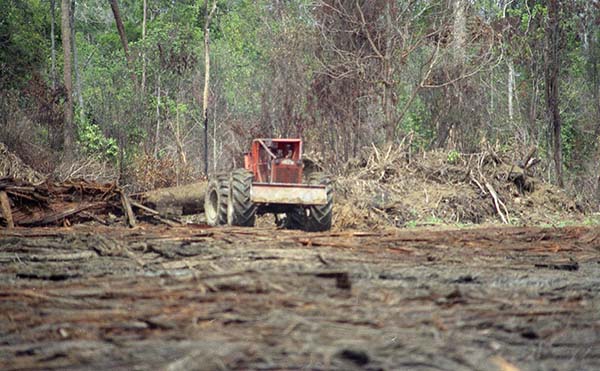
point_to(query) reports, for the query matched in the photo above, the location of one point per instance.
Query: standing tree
(68, 128)
(553, 41)
(144, 19)
(121, 29)
(76, 61)
(360, 48)
(53, 41)
(208, 13)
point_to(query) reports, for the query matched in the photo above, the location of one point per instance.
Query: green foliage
(592, 220)
(526, 14)
(93, 142)
(241, 55)
(453, 157)
(414, 123)
(569, 135)
(24, 41)
(411, 224)
(555, 221)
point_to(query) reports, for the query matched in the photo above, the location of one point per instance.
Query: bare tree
(209, 13)
(144, 19)
(360, 45)
(68, 128)
(553, 40)
(459, 31)
(366, 50)
(53, 41)
(121, 29)
(453, 97)
(76, 60)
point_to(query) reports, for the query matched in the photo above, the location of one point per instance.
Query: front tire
(215, 200)
(319, 217)
(211, 202)
(241, 211)
(296, 218)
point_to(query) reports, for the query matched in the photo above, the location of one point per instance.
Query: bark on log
(188, 199)
(127, 210)
(6, 212)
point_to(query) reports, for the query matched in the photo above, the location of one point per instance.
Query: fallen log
(6, 212)
(185, 200)
(127, 210)
(51, 217)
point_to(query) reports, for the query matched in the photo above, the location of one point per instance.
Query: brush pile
(30, 199)
(393, 187)
(12, 166)
(71, 202)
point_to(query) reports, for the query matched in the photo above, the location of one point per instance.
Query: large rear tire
(211, 202)
(240, 209)
(223, 197)
(215, 200)
(319, 217)
(295, 219)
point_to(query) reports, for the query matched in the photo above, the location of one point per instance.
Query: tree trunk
(459, 32)
(75, 60)
(593, 59)
(186, 199)
(157, 132)
(145, 16)
(68, 130)
(388, 91)
(510, 83)
(209, 15)
(121, 29)
(552, 85)
(53, 42)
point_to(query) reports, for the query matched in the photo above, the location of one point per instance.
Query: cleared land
(199, 298)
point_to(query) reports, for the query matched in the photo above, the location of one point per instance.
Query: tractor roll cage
(266, 161)
(262, 143)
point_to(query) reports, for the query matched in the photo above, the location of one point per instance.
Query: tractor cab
(275, 160)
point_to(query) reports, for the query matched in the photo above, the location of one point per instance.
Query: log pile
(25, 204)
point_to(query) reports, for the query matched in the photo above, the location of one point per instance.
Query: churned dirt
(154, 297)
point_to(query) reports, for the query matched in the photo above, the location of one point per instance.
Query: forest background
(117, 89)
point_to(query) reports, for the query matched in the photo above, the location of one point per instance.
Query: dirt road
(199, 298)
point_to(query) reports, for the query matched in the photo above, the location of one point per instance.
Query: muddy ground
(232, 298)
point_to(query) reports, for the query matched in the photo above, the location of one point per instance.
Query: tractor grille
(287, 174)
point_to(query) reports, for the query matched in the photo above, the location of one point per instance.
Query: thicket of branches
(342, 74)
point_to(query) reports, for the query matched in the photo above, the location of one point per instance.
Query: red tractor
(271, 182)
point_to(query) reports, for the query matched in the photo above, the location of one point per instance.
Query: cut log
(5, 203)
(187, 199)
(51, 218)
(127, 210)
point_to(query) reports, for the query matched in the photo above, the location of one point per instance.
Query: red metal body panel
(286, 174)
(275, 160)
